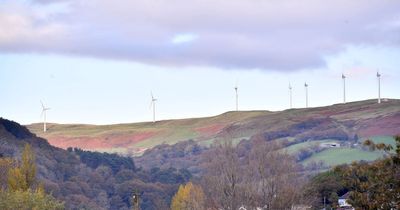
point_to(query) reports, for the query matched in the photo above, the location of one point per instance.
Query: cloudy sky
(96, 61)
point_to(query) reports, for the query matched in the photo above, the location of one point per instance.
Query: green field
(381, 139)
(297, 147)
(337, 156)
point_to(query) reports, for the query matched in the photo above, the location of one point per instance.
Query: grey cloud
(248, 34)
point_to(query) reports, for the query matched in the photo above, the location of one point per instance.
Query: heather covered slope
(341, 122)
(136, 137)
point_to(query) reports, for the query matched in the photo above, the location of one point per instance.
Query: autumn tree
(29, 199)
(375, 185)
(188, 197)
(24, 176)
(20, 193)
(5, 165)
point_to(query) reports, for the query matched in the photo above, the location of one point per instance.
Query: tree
(262, 177)
(223, 176)
(21, 179)
(5, 165)
(28, 166)
(24, 176)
(375, 185)
(188, 197)
(324, 186)
(272, 175)
(30, 199)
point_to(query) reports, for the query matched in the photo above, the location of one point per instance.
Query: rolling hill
(344, 123)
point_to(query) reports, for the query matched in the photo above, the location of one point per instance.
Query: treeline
(96, 159)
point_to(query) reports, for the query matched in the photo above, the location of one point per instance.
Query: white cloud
(183, 38)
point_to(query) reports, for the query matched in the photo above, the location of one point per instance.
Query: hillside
(91, 180)
(339, 122)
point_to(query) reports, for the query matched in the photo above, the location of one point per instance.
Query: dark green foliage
(169, 176)
(15, 129)
(96, 159)
(326, 187)
(183, 155)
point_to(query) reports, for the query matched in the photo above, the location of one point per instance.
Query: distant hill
(340, 122)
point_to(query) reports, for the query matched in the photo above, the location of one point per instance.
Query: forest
(251, 174)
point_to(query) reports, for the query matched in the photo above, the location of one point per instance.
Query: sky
(97, 61)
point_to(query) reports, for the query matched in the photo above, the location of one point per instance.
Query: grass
(381, 139)
(337, 156)
(297, 147)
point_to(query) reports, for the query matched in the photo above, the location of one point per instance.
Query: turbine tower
(290, 95)
(378, 75)
(306, 87)
(237, 97)
(153, 104)
(44, 110)
(344, 88)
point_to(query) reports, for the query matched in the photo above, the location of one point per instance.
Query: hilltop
(350, 122)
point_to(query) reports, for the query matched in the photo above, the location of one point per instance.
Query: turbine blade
(41, 102)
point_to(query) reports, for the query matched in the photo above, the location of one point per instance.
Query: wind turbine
(44, 109)
(378, 75)
(290, 94)
(344, 88)
(153, 104)
(237, 97)
(306, 87)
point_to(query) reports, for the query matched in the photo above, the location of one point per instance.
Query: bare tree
(223, 176)
(266, 177)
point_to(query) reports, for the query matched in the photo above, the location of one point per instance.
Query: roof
(345, 196)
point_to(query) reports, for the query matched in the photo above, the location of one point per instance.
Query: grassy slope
(336, 156)
(168, 131)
